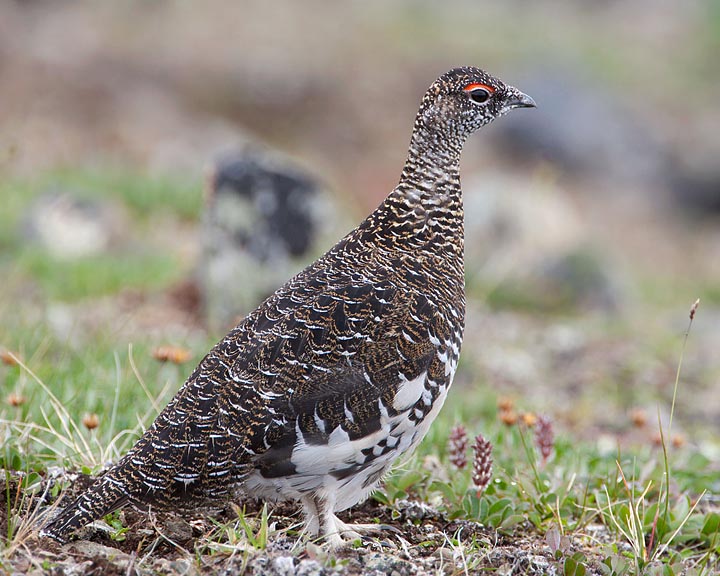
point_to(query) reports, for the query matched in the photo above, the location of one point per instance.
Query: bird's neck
(424, 212)
(430, 180)
(431, 167)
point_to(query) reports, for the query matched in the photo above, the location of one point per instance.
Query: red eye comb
(478, 85)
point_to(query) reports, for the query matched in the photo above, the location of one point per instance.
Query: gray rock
(265, 219)
(529, 248)
(259, 565)
(583, 128)
(96, 550)
(577, 279)
(310, 568)
(695, 185)
(69, 226)
(378, 564)
(513, 223)
(416, 510)
(283, 566)
(180, 566)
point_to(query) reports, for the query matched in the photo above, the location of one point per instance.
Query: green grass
(650, 529)
(640, 510)
(80, 359)
(97, 275)
(145, 195)
(135, 263)
(83, 386)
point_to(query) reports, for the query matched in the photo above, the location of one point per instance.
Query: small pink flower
(482, 464)
(544, 437)
(457, 446)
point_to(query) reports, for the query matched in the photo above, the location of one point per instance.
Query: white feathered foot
(320, 521)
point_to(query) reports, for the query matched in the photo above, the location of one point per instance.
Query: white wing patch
(409, 392)
(315, 463)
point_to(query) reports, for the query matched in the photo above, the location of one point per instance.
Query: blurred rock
(415, 510)
(695, 182)
(698, 193)
(584, 129)
(266, 219)
(526, 242)
(377, 563)
(578, 279)
(179, 566)
(514, 223)
(309, 567)
(284, 566)
(69, 226)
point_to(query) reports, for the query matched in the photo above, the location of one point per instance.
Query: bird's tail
(105, 496)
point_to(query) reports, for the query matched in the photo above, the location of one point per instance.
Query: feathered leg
(334, 531)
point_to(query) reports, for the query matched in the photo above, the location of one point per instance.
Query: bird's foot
(320, 520)
(339, 533)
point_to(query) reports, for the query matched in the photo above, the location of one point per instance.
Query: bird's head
(463, 100)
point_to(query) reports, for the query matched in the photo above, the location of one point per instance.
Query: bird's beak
(517, 99)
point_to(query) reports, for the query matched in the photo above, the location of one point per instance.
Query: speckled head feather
(463, 100)
(342, 370)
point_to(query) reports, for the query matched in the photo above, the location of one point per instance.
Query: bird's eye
(478, 92)
(479, 95)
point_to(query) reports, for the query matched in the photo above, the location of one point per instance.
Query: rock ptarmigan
(318, 391)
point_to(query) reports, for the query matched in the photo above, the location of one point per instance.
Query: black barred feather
(342, 370)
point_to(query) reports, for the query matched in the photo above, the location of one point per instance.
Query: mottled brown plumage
(342, 370)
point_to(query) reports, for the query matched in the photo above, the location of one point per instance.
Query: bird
(314, 395)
